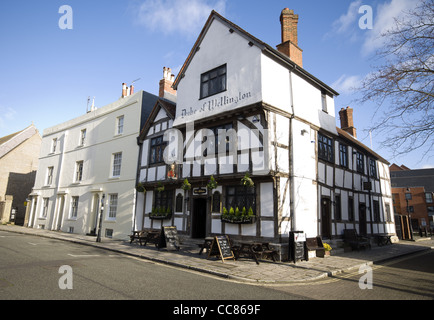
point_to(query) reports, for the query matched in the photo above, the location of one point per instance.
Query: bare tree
(403, 86)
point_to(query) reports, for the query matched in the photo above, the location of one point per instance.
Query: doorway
(198, 224)
(326, 221)
(362, 219)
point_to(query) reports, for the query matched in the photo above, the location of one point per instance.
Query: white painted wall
(102, 141)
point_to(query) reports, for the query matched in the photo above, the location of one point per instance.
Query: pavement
(244, 269)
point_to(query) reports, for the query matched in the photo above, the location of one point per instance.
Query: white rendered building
(87, 159)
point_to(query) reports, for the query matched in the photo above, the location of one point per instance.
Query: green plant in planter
(250, 212)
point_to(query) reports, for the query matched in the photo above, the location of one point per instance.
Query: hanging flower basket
(246, 181)
(186, 185)
(160, 187)
(140, 187)
(212, 184)
(238, 216)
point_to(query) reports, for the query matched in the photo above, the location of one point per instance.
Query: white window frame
(112, 206)
(74, 208)
(53, 145)
(78, 175)
(49, 180)
(82, 141)
(120, 125)
(116, 165)
(44, 211)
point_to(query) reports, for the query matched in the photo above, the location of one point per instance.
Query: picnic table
(383, 239)
(146, 235)
(254, 250)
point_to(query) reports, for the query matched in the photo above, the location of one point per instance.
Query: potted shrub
(327, 248)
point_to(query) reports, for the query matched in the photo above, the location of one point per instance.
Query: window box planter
(239, 220)
(160, 217)
(238, 216)
(160, 213)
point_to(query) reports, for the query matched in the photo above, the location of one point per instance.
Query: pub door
(362, 219)
(326, 219)
(198, 223)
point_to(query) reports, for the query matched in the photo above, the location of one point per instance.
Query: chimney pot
(124, 90)
(166, 84)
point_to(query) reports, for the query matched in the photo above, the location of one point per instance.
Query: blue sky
(47, 73)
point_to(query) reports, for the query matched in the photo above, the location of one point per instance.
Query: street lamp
(98, 237)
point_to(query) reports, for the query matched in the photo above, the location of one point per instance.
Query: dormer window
(213, 82)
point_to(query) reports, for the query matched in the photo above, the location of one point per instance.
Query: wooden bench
(317, 245)
(355, 241)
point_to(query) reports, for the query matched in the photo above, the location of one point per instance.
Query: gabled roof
(161, 103)
(10, 142)
(262, 45)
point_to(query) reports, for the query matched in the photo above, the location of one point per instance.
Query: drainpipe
(291, 155)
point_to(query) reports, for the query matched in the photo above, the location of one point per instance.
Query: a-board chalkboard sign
(297, 246)
(169, 238)
(221, 247)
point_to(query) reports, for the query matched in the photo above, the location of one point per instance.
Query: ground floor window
(163, 201)
(113, 206)
(241, 197)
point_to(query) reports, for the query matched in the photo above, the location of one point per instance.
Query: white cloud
(176, 17)
(384, 19)
(345, 84)
(6, 115)
(347, 21)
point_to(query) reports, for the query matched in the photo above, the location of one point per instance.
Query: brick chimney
(347, 123)
(166, 90)
(289, 45)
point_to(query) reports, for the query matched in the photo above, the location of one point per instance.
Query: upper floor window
(120, 125)
(343, 155)
(82, 137)
(325, 148)
(324, 101)
(53, 145)
(213, 82)
(117, 163)
(360, 162)
(50, 171)
(428, 197)
(372, 168)
(157, 149)
(78, 171)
